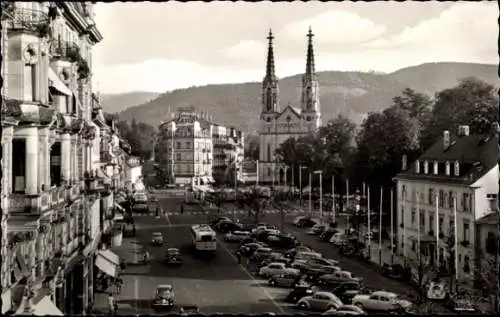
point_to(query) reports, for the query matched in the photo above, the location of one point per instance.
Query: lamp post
(320, 172)
(300, 182)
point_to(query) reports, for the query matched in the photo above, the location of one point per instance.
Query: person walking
(146, 257)
(111, 304)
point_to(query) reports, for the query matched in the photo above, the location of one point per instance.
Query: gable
(288, 115)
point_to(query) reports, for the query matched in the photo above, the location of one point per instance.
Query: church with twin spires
(276, 124)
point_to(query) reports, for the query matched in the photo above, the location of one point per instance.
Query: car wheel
(303, 305)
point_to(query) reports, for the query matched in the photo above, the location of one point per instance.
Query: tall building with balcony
(459, 171)
(192, 148)
(50, 218)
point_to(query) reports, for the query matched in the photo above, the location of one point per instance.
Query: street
(219, 285)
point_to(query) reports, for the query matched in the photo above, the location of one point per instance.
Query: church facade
(277, 124)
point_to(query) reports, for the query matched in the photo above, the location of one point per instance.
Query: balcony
(35, 21)
(65, 50)
(21, 203)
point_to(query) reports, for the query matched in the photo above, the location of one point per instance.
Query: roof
(476, 154)
(489, 219)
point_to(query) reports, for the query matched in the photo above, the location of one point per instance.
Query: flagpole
(380, 228)
(333, 198)
(437, 233)
(392, 227)
(369, 227)
(456, 242)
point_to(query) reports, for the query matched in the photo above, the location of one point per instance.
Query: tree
(139, 135)
(418, 105)
(252, 144)
(472, 102)
(256, 202)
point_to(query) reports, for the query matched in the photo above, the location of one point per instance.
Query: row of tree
(372, 153)
(140, 136)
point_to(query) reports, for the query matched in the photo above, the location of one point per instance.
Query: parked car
(288, 279)
(381, 301)
(275, 268)
(164, 297)
(338, 238)
(249, 248)
(316, 262)
(320, 301)
(395, 271)
(304, 222)
(216, 221)
(299, 292)
(282, 241)
(346, 310)
(306, 256)
(157, 239)
(347, 290)
(316, 229)
(260, 254)
(236, 236)
(461, 305)
(337, 278)
(292, 252)
(301, 266)
(437, 291)
(314, 272)
(226, 226)
(327, 234)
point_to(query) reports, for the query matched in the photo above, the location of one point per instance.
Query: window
(268, 171)
(441, 221)
(465, 202)
(413, 245)
(451, 196)
(457, 168)
(490, 243)
(18, 165)
(29, 82)
(55, 164)
(179, 157)
(426, 167)
(188, 145)
(441, 198)
(431, 222)
(413, 213)
(466, 229)
(445, 200)
(431, 196)
(178, 145)
(268, 152)
(451, 225)
(466, 264)
(422, 219)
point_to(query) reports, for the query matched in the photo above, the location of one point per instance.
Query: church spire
(270, 72)
(310, 71)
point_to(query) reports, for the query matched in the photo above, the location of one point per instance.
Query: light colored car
(346, 310)
(236, 236)
(381, 301)
(306, 256)
(318, 262)
(276, 268)
(320, 301)
(316, 229)
(164, 297)
(157, 238)
(437, 291)
(338, 277)
(338, 238)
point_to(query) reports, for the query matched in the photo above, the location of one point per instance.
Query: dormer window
(447, 168)
(426, 167)
(435, 167)
(457, 168)
(417, 166)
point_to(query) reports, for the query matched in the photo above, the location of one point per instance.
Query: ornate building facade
(191, 148)
(52, 190)
(276, 125)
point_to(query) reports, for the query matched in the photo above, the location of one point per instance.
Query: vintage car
(261, 254)
(395, 271)
(316, 229)
(300, 291)
(320, 301)
(236, 236)
(157, 239)
(287, 279)
(173, 256)
(381, 301)
(276, 268)
(346, 310)
(164, 297)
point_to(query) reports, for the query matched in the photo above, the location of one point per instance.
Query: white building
(134, 174)
(276, 125)
(458, 167)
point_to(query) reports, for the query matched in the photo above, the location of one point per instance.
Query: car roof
(264, 249)
(163, 286)
(384, 293)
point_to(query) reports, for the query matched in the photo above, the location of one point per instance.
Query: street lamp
(320, 172)
(300, 182)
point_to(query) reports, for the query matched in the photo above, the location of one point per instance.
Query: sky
(160, 47)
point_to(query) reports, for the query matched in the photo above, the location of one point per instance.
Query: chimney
(457, 168)
(417, 166)
(446, 139)
(435, 168)
(404, 162)
(447, 168)
(426, 167)
(463, 130)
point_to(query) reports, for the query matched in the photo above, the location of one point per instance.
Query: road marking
(251, 276)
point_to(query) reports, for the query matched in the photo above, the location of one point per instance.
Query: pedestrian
(111, 303)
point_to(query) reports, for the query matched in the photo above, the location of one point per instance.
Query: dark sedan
(249, 248)
(299, 292)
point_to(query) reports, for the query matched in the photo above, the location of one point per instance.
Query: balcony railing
(28, 20)
(65, 49)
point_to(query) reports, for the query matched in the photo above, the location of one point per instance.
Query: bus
(204, 238)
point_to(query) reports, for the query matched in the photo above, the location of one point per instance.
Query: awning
(57, 84)
(46, 307)
(108, 262)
